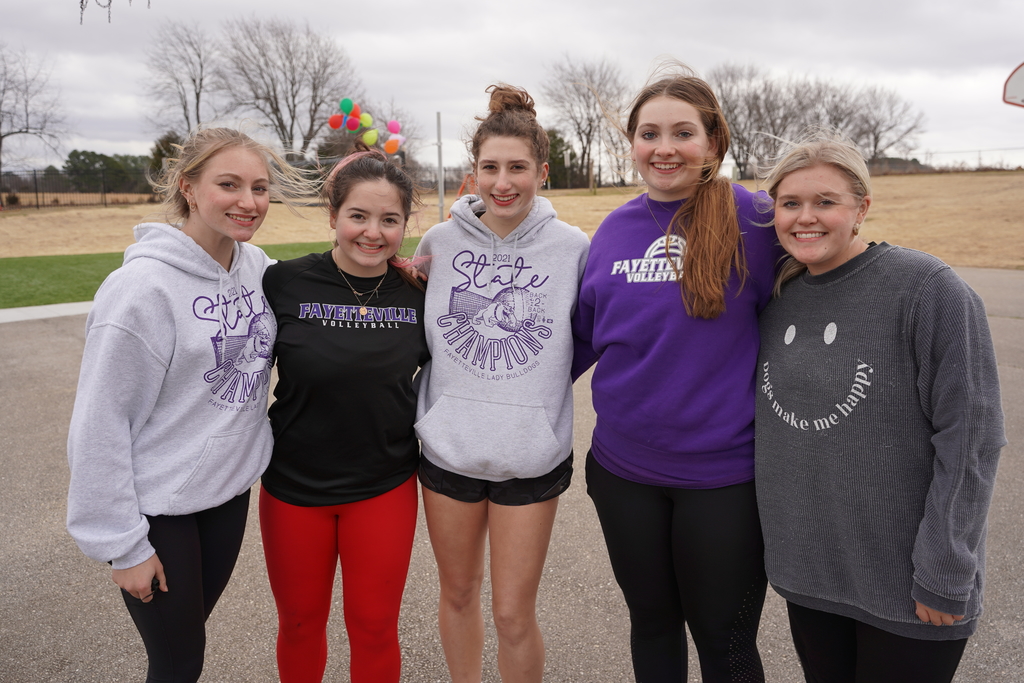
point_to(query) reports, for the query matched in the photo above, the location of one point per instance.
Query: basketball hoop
(1013, 91)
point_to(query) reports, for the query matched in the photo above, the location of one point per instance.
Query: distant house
(894, 166)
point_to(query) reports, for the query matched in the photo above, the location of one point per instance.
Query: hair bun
(505, 97)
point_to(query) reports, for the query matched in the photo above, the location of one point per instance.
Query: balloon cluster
(353, 118)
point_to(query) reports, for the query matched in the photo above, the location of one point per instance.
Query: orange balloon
(355, 111)
(391, 146)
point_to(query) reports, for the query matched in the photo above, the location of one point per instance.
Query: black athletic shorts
(508, 492)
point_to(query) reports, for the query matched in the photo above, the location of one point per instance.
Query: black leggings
(685, 556)
(198, 552)
(837, 649)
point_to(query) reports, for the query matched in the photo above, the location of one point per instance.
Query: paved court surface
(61, 619)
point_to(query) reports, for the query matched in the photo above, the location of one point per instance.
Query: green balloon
(346, 105)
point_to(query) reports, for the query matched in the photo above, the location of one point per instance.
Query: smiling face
(508, 178)
(816, 213)
(231, 196)
(369, 224)
(670, 147)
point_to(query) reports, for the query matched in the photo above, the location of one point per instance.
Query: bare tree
(885, 122)
(181, 61)
(733, 84)
(293, 77)
(389, 111)
(779, 112)
(28, 104)
(832, 105)
(764, 111)
(617, 149)
(581, 93)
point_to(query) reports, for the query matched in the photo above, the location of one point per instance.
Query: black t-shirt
(345, 408)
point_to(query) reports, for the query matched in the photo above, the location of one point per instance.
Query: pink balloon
(352, 123)
(394, 127)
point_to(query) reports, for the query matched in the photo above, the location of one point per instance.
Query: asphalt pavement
(61, 618)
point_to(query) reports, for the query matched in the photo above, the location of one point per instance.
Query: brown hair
(287, 183)
(368, 164)
(817, 147)
(512, 115)
(707, 220)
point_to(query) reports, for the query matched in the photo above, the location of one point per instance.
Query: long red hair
(707, 220)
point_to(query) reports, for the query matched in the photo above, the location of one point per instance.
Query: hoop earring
(192, 208)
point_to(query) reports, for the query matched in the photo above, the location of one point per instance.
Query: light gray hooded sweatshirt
(171, 412)
(495, 400)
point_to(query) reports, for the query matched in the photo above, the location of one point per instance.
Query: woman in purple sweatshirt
(668, 311)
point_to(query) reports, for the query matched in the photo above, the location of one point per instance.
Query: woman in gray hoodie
(495, 403)
(169, 428)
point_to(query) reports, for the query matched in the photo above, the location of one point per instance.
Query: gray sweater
(496, 397)
(878, 428)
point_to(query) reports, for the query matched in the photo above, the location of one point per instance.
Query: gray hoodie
(171, 412)
(495, 400)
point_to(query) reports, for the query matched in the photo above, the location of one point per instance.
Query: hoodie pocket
(489, 439)
(230, 463)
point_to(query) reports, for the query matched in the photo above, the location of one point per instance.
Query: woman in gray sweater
(878, 430)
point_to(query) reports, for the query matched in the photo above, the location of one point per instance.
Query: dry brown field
(966, 219)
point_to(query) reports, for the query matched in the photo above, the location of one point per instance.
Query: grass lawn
(39, 280)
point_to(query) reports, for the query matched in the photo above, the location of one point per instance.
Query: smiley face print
(817, 347)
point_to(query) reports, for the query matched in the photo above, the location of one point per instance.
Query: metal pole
(440, 174)
(35, 181)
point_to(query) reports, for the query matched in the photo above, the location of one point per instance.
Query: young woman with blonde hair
(879, 427)
(169, 429)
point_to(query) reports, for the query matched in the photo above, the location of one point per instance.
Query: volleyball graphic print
(657, 262)
(495, 326)
(240, 378)
(509, 310)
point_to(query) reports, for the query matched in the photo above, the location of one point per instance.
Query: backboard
(1013, 91)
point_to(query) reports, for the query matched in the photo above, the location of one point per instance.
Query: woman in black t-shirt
(341, 482)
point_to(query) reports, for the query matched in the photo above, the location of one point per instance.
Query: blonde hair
(287, 183)
(707, 221)
(816, 147)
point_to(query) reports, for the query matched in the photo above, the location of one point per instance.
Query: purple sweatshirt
(674, 395)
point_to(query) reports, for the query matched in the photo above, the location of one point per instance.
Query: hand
(936, 617)
(142, 580)
(417, 273)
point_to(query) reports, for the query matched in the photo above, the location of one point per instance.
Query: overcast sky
(950, 58)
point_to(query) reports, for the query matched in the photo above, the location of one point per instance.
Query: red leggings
(373, 538)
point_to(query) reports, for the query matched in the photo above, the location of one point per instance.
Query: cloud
(947, 57)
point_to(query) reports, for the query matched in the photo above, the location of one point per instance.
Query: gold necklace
(362, 306)
(647, 203)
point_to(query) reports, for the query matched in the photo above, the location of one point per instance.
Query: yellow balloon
(370, 137)
(366, 120)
